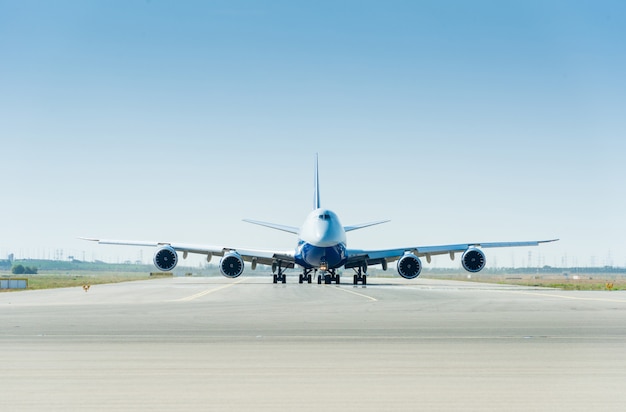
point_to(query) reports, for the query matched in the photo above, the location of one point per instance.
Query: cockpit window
(325, 216)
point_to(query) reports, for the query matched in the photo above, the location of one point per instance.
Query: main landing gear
(280, 276)
(360, 275)
(329, 277)
(305, 276)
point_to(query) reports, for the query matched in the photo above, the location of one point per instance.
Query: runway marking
(355, 293)
(567, 297)
(206, 292)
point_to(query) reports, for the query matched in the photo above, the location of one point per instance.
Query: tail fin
(316, 195)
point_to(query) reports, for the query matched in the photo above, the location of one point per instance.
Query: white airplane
(321, 249)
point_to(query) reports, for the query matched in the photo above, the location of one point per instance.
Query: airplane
(321, 250)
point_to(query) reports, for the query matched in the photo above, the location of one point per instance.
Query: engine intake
(473, 260)
(165, 258)
(231, 265)
(409, 266)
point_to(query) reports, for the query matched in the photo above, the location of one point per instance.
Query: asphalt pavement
(247, 344)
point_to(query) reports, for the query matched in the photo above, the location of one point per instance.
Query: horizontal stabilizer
(284, 228)
(362, 225)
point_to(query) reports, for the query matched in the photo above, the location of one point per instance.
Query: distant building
(6, 264)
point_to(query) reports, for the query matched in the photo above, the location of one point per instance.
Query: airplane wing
(264, 257)
(357, 257)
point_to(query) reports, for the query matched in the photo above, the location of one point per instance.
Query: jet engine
(165, 258)
(473, 260)
(231, 265)
(409, 266)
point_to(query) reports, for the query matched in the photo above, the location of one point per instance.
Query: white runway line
(355, 293)
(206, 292)
(553, 295)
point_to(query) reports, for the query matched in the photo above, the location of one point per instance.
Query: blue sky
(172, 121)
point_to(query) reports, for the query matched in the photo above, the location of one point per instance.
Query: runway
(247, 344)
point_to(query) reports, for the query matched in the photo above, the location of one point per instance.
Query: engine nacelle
(231, 265)
(165, 258)
(473, 260)
(409, 266)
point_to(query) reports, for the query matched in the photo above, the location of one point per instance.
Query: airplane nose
(325, 237)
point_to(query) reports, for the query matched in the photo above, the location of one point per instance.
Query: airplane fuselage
(322, 241)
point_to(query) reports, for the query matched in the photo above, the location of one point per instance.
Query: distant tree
(18, 270)
(24, 270)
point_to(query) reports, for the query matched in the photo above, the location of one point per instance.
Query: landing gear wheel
(280, 276)
(319, 279)
(360, 276)
(305, 276)
(338, 280)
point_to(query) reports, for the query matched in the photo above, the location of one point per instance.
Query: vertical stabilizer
(316, 195)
